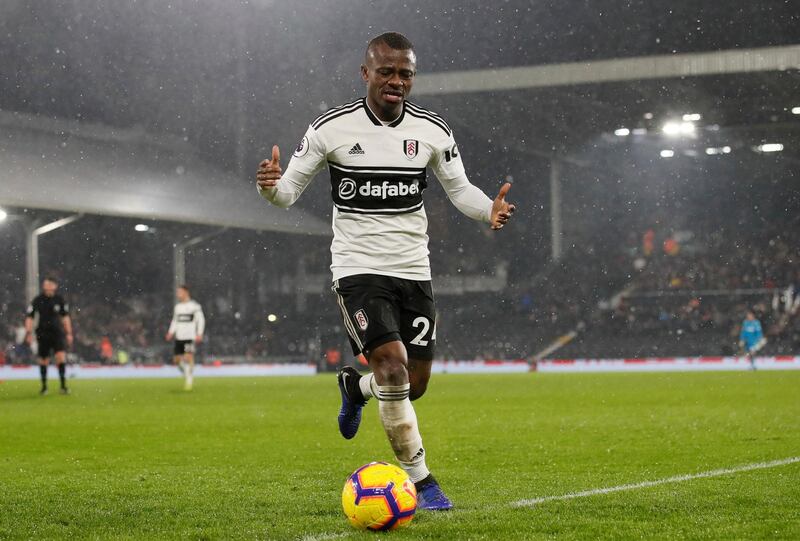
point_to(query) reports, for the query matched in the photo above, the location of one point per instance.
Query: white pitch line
(323, 536)
(645, 484)
(608, 490)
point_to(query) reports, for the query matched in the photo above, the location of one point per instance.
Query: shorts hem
(380, 341)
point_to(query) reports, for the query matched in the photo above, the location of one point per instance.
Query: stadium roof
(74, 167)
(744, 98)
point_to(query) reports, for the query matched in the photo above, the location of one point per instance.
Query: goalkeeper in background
(751, 337)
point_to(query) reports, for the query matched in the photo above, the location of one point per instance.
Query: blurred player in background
(53, 331)
(187, 328)
(751, 337)
(377, 149)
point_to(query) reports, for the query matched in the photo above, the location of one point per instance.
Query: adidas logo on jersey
(356, 149)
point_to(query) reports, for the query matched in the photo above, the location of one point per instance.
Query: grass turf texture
(262, 458)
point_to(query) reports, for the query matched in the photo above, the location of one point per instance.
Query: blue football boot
(431, 497)
(352, 401)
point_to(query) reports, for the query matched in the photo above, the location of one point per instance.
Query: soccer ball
(379, 496)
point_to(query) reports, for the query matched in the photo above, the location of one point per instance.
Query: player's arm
(200, 324)
(66, 321)
(29, 313)
(281, 188)
(468, 198)
(172, 326)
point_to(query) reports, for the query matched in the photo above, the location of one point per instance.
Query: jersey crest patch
(361, 320)
(411, 148)
(302, 147)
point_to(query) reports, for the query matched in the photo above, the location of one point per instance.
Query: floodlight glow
(648, 116)
(142, 228)
(715, 151)
(272, 318)
(639, 131)
(726, 149)
(770, 147)
(3, 215)
(667, 153)
(796, 110)
(671, 128)
(691, 117)
(622, 132)
(678, 128)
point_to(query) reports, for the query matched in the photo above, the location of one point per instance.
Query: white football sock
(367, 385)
(400, 423)
(189, 374)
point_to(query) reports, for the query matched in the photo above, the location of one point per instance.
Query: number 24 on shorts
(424, 324)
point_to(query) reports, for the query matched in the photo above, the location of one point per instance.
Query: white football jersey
(188, 321)
(378, 176)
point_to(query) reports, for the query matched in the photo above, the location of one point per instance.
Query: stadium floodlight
(667, 153)
(142, 228)
(692, 117)
(648, 116)
(3, 215)
(796, 110)
(272, 318)
(716, 151)
(673, 128)
(770, 147)
(622, 132)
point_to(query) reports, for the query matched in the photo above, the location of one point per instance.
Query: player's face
(389, 74)
(181, 294)
(49, 288)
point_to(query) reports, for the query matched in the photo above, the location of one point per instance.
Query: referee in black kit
(53, 332)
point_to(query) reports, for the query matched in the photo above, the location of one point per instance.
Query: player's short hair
(395, 40)
(50, 279)
(184, 287)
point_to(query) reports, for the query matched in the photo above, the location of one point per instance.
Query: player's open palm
(501, 209)
(269, 171)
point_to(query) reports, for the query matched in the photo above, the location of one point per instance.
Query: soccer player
(53, 331)
(377, 149)
(751, 337)
(187, 328)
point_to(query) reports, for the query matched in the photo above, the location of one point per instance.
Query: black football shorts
(50, 343)
(184, 346)
(380, 309)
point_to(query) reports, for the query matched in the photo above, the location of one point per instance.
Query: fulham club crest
(411, 148)
(361, 320)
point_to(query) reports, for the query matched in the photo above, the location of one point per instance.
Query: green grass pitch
(262, 459)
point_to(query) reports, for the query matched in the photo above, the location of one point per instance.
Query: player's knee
(418, 389)
(389, 365)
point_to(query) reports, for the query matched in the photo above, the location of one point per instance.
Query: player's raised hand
(269, 171)
(501, 209)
